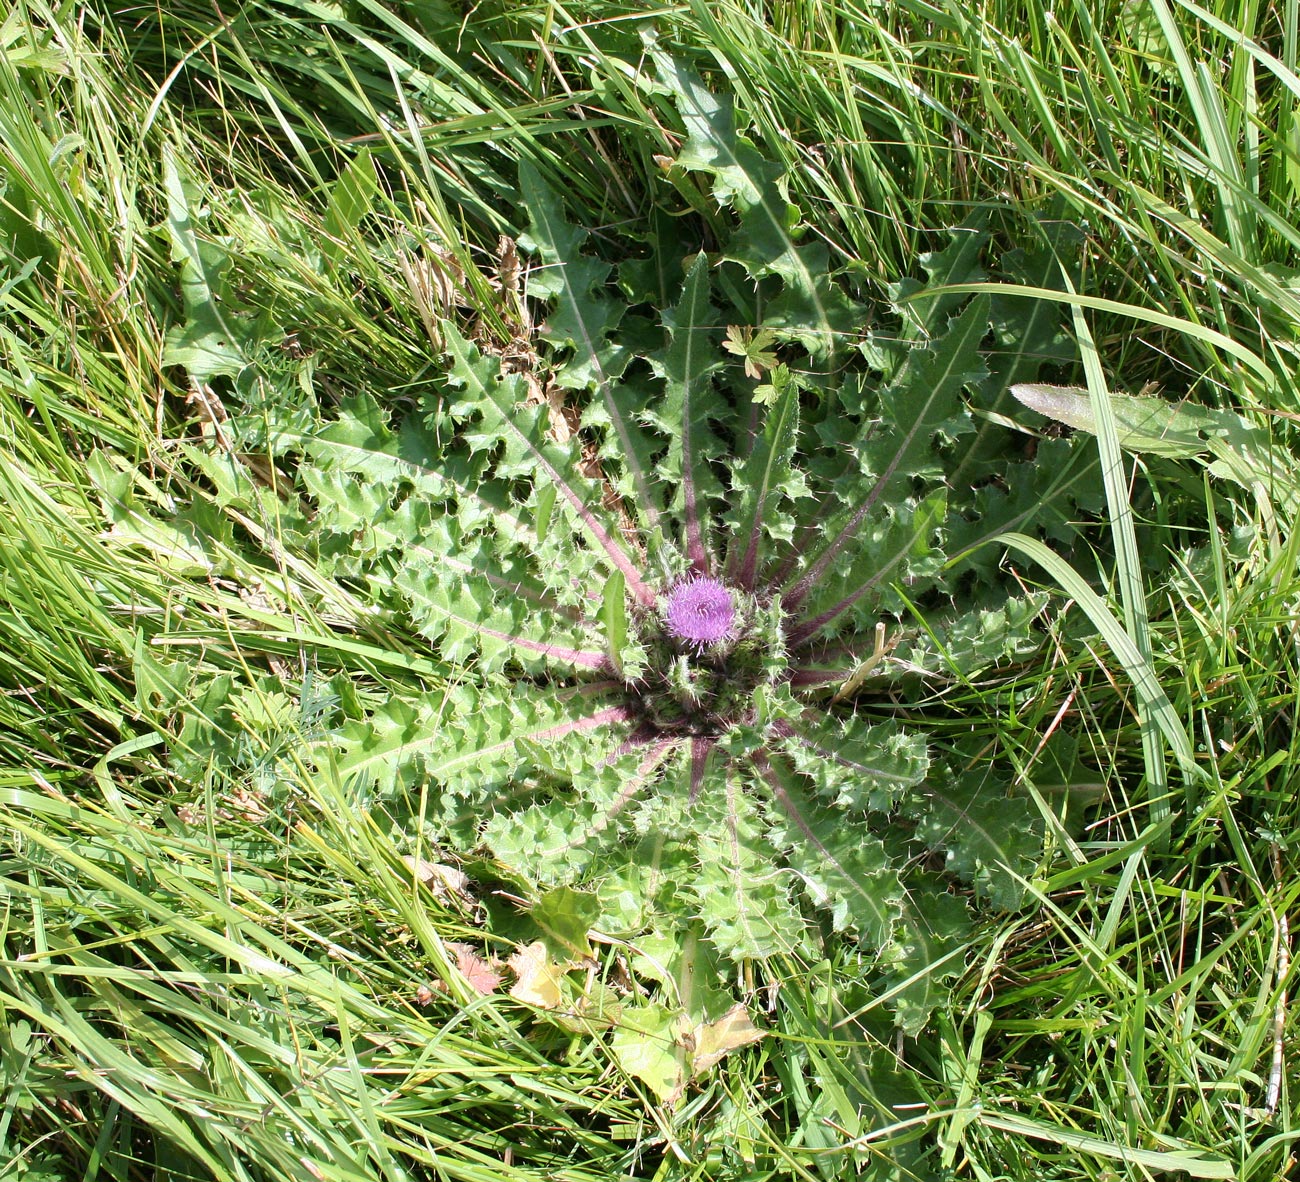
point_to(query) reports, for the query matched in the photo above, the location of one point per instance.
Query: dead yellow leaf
(446, 882)
(714, 1040)
(537, 976)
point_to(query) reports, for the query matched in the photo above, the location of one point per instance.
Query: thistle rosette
(679, 640)
(700, 613)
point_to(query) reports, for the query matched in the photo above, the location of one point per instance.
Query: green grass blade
(1128, 566)
(1152, 699)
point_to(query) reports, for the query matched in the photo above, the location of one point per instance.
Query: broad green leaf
(1050, 493)
(470, 742)
(685, 960)
(743, 896)
(192, 541)
(584, 315)
(582, 320)
(213, 342)
(546, 843)
(931, 940)
(1143, 424)
(561, 839)
(646, 1044)
(1208, 336)
(962, 644)
(480, 617)
(993, 839)
(613, 617)
(565, 917)
(1029, 334)
(925, 307)
(351, 198)
(923, 402)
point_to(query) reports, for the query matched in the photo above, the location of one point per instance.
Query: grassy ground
(206, 973)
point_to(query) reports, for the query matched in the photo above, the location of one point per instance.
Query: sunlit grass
(201, 982)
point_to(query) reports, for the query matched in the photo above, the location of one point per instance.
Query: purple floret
(700, 612)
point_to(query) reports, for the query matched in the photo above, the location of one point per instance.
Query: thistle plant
(680, 565)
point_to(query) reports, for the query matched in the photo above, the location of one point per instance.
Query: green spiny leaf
(924, 314)
(583, 318)
(584, 315)
(993, 838)
(474, 618)
(527, 450)
(686, 367)
(765, 488)
(810, 309)
(213, 342)
(922, 406)
(931, 936)
(685, 959)
(856, 765)
(744, 898)
(843, 865)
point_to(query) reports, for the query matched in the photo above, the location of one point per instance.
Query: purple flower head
(700, 612)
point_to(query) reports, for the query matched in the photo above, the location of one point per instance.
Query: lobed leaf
(583, 316)
(855, 765)
(683, 414)
(743, 897)
(923, 401)
(471, 740)
(582, 319)
(992, 838)
(810, 309)
(527, 450)
(843, 865)
(765, 487)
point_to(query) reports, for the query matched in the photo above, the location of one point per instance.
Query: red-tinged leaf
(558, 466)
(925, 396)
(687, 367)
(766, 480)
(480, 975)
